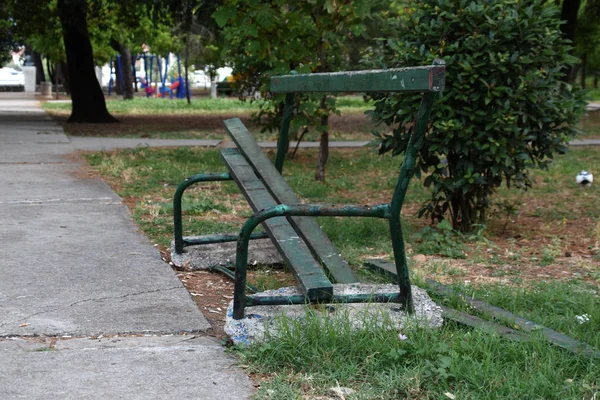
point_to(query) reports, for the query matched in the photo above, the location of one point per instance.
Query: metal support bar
(346, 298)
(221, 239)
(177, 214)
(406, 172)
(284, 210)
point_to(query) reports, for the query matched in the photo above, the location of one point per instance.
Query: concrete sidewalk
(87, 307)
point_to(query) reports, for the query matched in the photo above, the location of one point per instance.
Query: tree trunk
(323, 153)
(583, 69)
(57, 76)
(595, 81)
(39, 68)
(127, 81)
(133, 74)
(118, 73)
(324, 143)
(50, 70)
(64, 76)
(569, 11)
(89, 105)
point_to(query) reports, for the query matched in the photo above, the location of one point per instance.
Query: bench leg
(177, 214)
(401, 266)
(284, 210)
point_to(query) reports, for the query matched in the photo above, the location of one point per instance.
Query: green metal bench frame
(429, 80)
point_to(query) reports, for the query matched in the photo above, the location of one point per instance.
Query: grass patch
(554, 217)
(142, 105)
(312, 357)
(148, 177)
(594, 94)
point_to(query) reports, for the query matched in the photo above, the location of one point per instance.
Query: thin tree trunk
(583, 69)
(63, 74)
(39, 68)
(569, 11)
(323, 143)
(88, 100)
(57, 76)
(50, 70)
(595, 81)
(118, 73)
(324, 140)
(127, 81)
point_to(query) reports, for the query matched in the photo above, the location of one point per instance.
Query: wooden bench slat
(308, 272)
(309, 229)
(414, 79)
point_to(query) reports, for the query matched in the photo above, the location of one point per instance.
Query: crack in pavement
(125, 295)
(56, 308)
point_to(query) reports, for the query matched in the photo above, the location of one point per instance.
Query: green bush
(505, 108)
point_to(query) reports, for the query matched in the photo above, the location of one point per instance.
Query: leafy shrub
(442, 240)
(505, 108)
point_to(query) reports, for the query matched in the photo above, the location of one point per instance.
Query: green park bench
(307, 251)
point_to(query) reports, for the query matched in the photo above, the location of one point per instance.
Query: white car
(11, 77)
(201, 80)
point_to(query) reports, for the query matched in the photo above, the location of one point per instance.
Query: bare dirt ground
(203, 126)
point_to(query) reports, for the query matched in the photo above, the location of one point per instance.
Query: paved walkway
(87, 307)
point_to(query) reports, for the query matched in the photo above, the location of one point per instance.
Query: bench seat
(295, 252)
(308, 228)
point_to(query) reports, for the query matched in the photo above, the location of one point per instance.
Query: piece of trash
(402, 337)
(22, 325)
(582, 319)
(213, 311)
(450, 395)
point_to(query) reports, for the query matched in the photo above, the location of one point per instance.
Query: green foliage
(442, 240)
(6, 35)
(587, 37)
(505, 109)
(314, 36)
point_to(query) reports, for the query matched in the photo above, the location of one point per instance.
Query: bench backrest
(426, 79)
